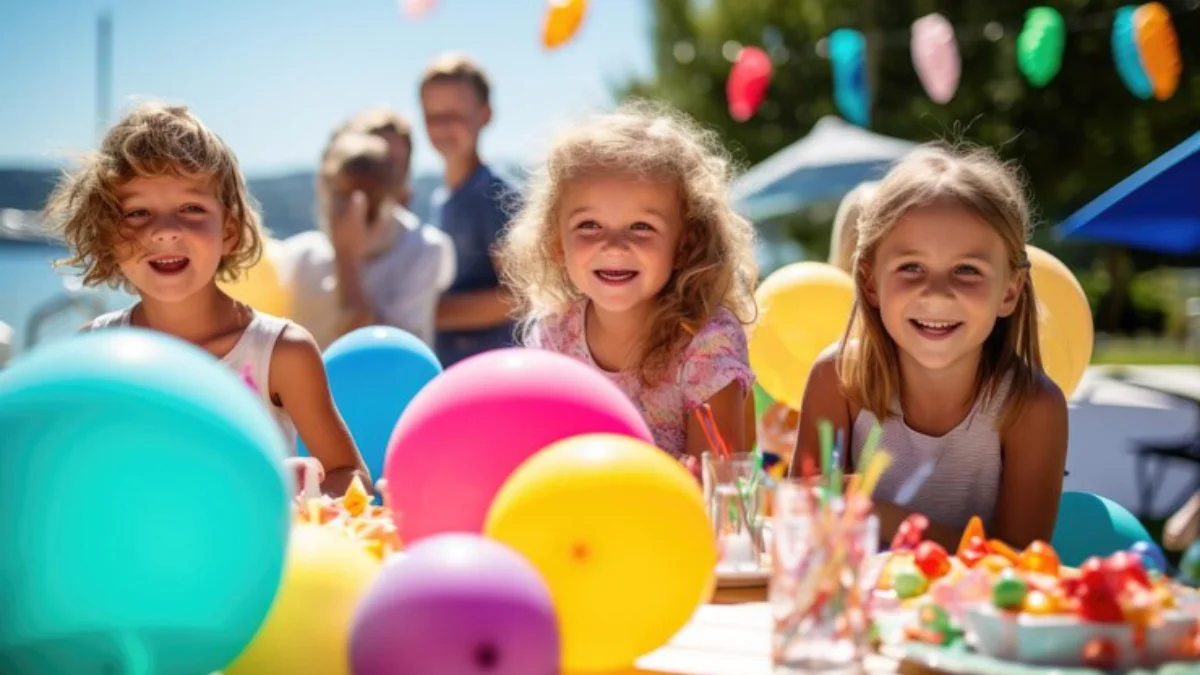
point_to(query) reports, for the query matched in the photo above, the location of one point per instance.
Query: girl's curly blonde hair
(650, 142)
(154, 139)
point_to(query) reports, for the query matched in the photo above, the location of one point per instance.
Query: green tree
(1078, 136)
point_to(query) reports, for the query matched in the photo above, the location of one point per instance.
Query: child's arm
(716, 371)
(298, 382)
(1035, 455)
(823, 400)
(729, 411)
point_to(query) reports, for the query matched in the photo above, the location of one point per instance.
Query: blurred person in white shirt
(372, 261)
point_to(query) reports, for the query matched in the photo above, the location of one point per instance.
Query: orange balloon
(1158, 47)
(563, 18)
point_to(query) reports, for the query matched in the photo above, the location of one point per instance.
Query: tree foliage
(1076, 137)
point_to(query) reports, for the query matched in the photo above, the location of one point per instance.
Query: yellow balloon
(1065, 332)
(802, 309)
(261, 286)
(619, 531)
(307, 631)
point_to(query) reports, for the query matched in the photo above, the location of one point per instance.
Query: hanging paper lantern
(935, 57)
(1158, 48)
(848, 57)
(1125, 54)
(748, 81)
(415, 9)
(563, 18)
(1040, 45)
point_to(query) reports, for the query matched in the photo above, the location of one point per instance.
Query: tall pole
(104, 44)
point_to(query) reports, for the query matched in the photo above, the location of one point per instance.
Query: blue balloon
(1152, 555)
(144, 508)
(1090, 525)
(373, 373)
(1125, 54)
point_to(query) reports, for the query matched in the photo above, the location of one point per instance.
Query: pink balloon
(415, 9)
(747, 85)
(461, 436)
(935, 57)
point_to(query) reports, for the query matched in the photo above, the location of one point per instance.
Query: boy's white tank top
(966, 463)
(251, 354)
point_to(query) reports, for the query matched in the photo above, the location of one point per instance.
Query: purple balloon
(456, 604)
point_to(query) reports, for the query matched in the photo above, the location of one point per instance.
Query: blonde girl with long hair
(942, 351)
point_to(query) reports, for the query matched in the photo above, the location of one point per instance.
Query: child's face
(620, 239)
(941, 278)
(177, 235)
(454, 117)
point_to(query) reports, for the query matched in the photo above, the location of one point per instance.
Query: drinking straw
(712, 434)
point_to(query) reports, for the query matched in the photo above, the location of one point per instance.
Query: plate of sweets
(354, 514)
(1110, 613)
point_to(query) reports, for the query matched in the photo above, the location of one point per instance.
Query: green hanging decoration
(1040, 45)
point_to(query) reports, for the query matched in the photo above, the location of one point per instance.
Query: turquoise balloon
(848, 57)
(1125, 54)
(1090, 525)
(144, 509)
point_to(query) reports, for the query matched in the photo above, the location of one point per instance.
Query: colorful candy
(932, 559)
(353, 513)
(974, 551)
(1152, 555)
(1009, 591)
(995, 563)
(1039, 602)
(974, 529)
(909, 583)
(1101, 653)
(910, 533)
(1039, 557)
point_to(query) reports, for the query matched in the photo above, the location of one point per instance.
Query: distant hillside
(286, 201)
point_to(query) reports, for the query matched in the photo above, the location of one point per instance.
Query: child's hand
(309, 474)
(348, 225)
(692, 464)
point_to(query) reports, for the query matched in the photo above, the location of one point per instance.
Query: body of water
(42, 303)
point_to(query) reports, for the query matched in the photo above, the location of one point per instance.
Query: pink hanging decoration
(747, 85)
(935, 57)
(415, 9)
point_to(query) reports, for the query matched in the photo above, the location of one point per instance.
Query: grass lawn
(1142, 352)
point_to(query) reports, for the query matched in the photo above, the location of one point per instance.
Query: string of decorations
(1145, 49)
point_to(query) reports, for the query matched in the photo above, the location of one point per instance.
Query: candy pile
(353, 512)
(916, 567)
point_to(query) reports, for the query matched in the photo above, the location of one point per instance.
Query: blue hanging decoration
(1125, 54)
(848, 57)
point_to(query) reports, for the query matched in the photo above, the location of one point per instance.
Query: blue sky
(274, 76)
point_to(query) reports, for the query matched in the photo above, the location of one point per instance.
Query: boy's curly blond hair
(644, 141)
(154, 139)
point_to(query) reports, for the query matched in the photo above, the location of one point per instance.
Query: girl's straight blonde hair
(977, 181)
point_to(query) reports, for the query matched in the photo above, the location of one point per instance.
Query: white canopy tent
(817, 169)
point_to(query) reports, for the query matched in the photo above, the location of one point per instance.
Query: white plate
(1059, 640)
(741, 576)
